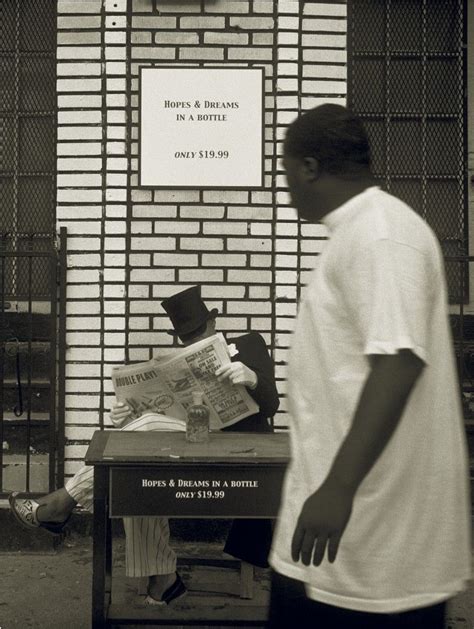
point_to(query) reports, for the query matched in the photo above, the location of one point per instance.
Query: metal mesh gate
(27, 133)
(406, 80)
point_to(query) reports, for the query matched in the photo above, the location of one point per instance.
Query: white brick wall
(130, 247)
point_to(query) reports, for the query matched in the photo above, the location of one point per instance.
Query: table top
(117, 447)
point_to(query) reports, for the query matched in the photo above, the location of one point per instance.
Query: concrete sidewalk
(52, 590)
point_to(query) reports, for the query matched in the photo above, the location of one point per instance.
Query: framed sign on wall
(201, 127)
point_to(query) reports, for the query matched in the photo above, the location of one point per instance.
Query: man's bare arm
(326, 513)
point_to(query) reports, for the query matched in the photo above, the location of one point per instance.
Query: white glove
(120, 413)
(238, 373)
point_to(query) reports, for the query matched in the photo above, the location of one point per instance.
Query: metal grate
(406, 80)
(28, 131)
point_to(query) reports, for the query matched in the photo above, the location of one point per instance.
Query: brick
(288, 6)
(198, 22)
(83, 338)
(176, 37)
(201, 211)
(308, 102)
(288, 85)
(141, 195)
(154, 22)
(175, 259)
(115, 68)
(75, 228)
(286, 38)
(226, 38)
(144, 227)
(116, 6)
(251, 308)
(153, 53)
(90, 116)
(115, 53)
(257, 54)
(324, 87)
(250, 213)
(157, 244)
(82, 38)
(150, 307)
(263, 6)
(85, 6)
(139, 260)
(79, 133)
(114, 275)
(331, 26)
(81, 308)
(201, 52)
(259, 292)
(152, 275)
(286, 245)
(222, 292)
(156, 211)
(260, 260)
(78, 85)
(324, 41)
(234, 324)
(115, 211)
(262, 39)
(237, 6)
(75, 180)
(85, 163)
(261, 198)
(288, 54)
(114, 244)
(116, 116)
(224, 259)
(76, 291)
(171, 6)
(171, 227)
(289, 69)
(115, 21)
(78, 22)
(261, 229)
(115, 37)
(287, 261)
(114, 338)
(252, 23)
(142, 6)
(324, 71)
(286, 229)
(321, 55)
(117, 148)
(287, 22)
(75, 276)
(204, 244)
(249, 244)
(116, 194)
(113, 291)
(254, 276)
(114, 307)
(114, 259)
(78, 69)
(225, 196)
(324, 8)
(141, 37)
(228, 228)
(79, 52)
(76, 101)
(176, 196)
(200, 275)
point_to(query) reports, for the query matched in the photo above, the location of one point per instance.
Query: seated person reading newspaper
(148, 552)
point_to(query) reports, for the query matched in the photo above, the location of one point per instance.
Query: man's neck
(336, 192)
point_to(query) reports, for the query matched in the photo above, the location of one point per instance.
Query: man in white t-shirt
(374, 527)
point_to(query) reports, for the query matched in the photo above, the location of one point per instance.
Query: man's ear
(311, 168)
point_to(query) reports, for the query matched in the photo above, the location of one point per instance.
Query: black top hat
(187, 311)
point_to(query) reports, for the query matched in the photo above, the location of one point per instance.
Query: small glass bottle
(197, 424)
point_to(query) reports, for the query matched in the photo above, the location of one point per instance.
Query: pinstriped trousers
(147, 549)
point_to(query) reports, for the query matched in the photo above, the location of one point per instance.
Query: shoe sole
(152, 602)
(18, 518)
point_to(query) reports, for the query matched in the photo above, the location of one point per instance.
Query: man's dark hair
(332, 135)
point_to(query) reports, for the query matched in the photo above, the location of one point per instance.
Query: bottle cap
(197, 397)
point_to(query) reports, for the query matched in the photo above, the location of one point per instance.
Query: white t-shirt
(379, 287)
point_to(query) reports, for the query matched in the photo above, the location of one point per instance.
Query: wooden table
(160, 473)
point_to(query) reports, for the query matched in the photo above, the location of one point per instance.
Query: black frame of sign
(193, 186)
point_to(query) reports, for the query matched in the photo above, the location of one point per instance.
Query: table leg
(102, 556)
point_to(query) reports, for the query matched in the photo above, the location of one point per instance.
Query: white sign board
(201, 127)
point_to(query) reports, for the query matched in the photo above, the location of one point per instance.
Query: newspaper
(165, 384)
